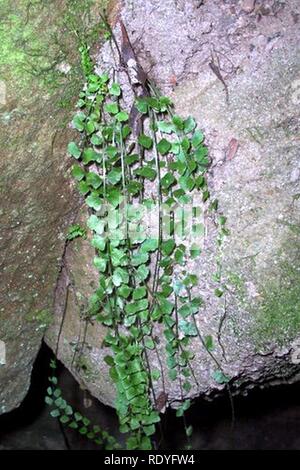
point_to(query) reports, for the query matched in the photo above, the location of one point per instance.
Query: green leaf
(179, 255)
(178, 122)
(220, 377)
(83, 188)
(57, 392)
(55, 413)
(112, 108)
(190, 280)
(172, 374)
(116, 279)
(134, 307)
(100, 264)
(132, 443)
(77, 172)
(78, 121)
(218, 292)
(163, 146)
(49, 401)
(74, 150)
(186, 405)
(118, 257)
(134, 424)
(166, 306)
(122, 116)
(189, 431)
(166, 127)
(166, 291)
(168, 247)
(90, 127)
(145, 141)
(146, 443)
(109, 360)
(146, 172)
(96, 140)
(195, 251)
(96, 224)
(77, 416)
(94, 201)
(186, 386)
(114, 196)
(149, 430)
(73, 425)
(167, 180)
(124, 291)
(69, 410)
(189, 124)
(93, 180)
(126, 130)
(185, 310)
(120, 276)
(151, 244)
(153, 103)
(165, 103)
(115, 89)
(149, 343)
(64, 419)
(75, 231)
(141, 105)
(197, 139)
(139, 258)
(187, 328)
(209, 343)
(139, 293)
(86, 421)
(134, 187)
(205, 195)
(115, 175)
(112, 151)
(89, 155)
(130, 159)
(155, 374)
(142, 273)
(187, 183)
(200, 182)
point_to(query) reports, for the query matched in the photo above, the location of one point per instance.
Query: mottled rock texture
(253, 139)
(39, 80)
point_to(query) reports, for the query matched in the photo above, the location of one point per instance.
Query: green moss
(278, 318)
(237, 282)
(37, 36)
(86, 368)
(42, 317)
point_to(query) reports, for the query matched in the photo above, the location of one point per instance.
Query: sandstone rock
(38, 200)
(248, 5)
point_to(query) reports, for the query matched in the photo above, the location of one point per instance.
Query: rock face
(39, 76)
(253, 138)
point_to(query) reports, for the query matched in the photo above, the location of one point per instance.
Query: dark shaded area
(265, 419)
(30, 427)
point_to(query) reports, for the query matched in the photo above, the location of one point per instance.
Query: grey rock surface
(39, 76)
(253, 139)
